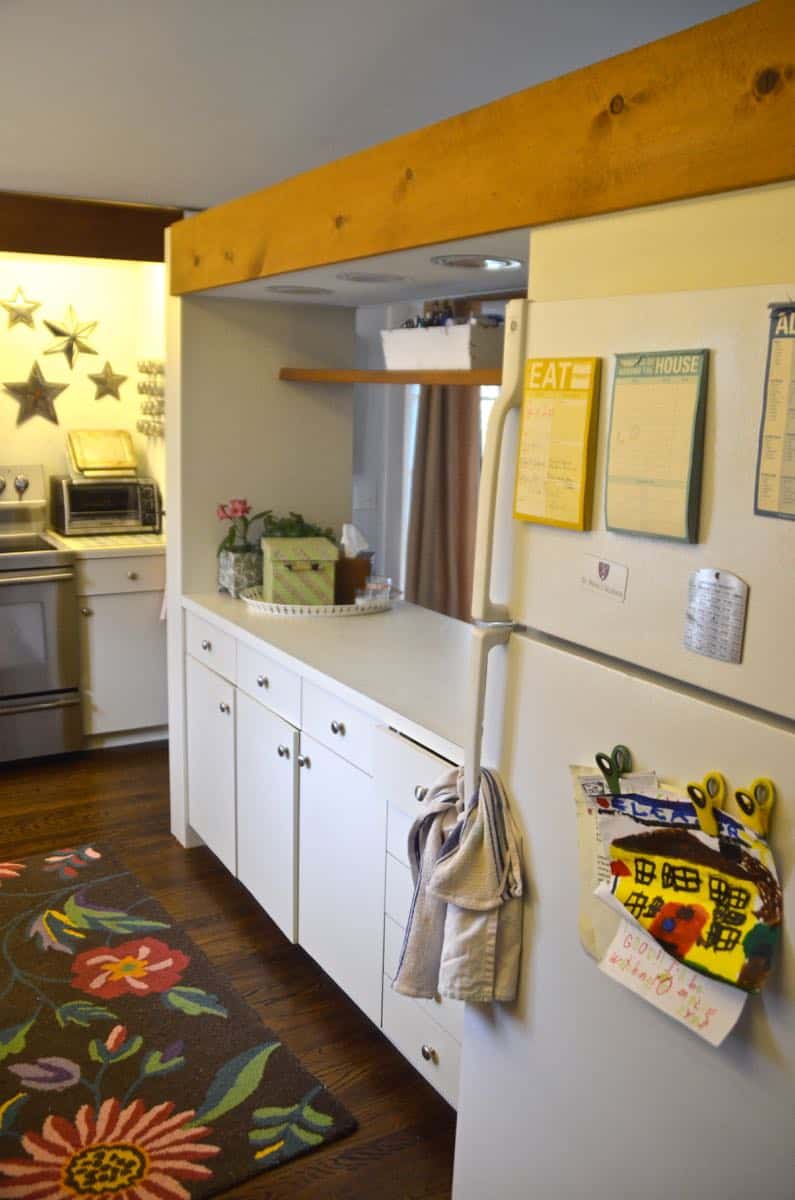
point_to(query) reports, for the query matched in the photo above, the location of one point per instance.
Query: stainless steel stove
(39, 649)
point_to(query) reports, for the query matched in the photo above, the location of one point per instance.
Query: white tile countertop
(410, 664)
(110, 545)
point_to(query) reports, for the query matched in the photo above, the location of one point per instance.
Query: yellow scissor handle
(756, 803)
(708, 795)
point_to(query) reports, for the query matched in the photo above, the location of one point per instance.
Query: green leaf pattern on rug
(287, 1128)
(194, 1002)
(113, 920)
(82, 1012)
(234, 1083)
(156, 1063)
(99, 1052)
(10, 1109)
(14, 1039)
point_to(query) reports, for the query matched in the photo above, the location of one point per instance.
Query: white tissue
(353, 541)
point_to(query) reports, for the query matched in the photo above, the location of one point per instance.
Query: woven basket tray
(253, 598)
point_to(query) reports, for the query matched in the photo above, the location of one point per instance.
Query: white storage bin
(442, 348)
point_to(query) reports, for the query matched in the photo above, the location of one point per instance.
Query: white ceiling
(192, 102)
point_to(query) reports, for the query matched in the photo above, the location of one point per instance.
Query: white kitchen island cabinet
(342, 839)
(211, 760)
(333, 745)
(267, 811)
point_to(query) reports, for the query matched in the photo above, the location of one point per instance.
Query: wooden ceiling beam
(32, 224)
(707, 110)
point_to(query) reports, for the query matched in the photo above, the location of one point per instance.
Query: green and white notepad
(656, 443)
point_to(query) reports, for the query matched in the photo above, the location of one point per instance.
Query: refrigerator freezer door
(553, 568)
(582, 1089)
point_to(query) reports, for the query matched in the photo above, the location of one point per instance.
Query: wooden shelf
(483, 377)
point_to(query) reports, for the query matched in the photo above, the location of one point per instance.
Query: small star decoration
(20, 310)
(71, 337)
(107, 382)
(35, 396)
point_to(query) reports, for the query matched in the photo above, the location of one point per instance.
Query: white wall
(244, 433)
(126, 300)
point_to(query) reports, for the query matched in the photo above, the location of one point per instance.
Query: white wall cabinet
(122, 644)
(342, 839)
(267, 811)
(211, 760)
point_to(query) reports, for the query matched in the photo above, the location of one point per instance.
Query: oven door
(39, 649)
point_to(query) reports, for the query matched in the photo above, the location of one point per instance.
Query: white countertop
(411, 663)
(110, 545)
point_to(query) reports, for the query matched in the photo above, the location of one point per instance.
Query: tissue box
(298, 570)
(442, 348)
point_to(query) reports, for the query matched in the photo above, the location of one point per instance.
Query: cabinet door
(267, 811)
(210, 703)
(122, 662)
(342, 850)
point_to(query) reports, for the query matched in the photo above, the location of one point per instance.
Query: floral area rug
(128, 1069)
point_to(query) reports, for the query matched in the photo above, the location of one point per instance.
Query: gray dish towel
(464, 933)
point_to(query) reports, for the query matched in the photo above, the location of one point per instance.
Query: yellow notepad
(554, 473)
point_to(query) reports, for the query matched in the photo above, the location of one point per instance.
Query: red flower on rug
(135, 968)
(133, 1153)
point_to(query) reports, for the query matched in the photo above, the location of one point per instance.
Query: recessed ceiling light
(370, 277)
(299, 289)
(476, 262)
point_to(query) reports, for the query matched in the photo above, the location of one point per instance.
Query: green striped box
(298, 570)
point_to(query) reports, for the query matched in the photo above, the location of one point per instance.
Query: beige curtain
(444, 496)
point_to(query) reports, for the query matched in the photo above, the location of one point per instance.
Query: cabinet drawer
(210, 645)
(105, 576)
(344, 729)
(447, 1013)
(402, 768)
(267, 681)
(428, 1047)
(399, 891)
(397, 833)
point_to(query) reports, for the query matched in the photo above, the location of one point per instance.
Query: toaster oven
(89, 506)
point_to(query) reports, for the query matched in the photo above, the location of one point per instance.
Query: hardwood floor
(403, 1149)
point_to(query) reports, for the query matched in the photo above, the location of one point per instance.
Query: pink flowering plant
(237, 513)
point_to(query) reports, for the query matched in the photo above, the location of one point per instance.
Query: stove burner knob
(21, 484)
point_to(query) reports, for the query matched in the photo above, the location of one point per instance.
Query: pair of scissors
(613, 766)
(708, 795)
(756, 802)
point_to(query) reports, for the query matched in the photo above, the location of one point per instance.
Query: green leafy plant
(293, 526)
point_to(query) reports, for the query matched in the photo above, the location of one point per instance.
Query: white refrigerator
(582, 1089)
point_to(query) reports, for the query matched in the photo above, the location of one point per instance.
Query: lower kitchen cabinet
(210, 703)
(267, 811)
(122, 643)
(341, 843)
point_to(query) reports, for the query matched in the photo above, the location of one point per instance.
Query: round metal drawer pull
(283, 751)
(338, 727)
(207, 645)
(303, 761)
(263, 681)
(132, 574)
(429, 1054)
(420, 793)
(87, 612)
(224, 707)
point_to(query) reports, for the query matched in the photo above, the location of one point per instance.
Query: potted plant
(239, 557)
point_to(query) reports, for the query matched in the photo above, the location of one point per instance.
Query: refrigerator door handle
(516, 320)
(485, 637)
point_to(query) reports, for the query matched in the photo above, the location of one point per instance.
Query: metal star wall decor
(35, 396)
(71, 337)
(107, 382)
(20, 310)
